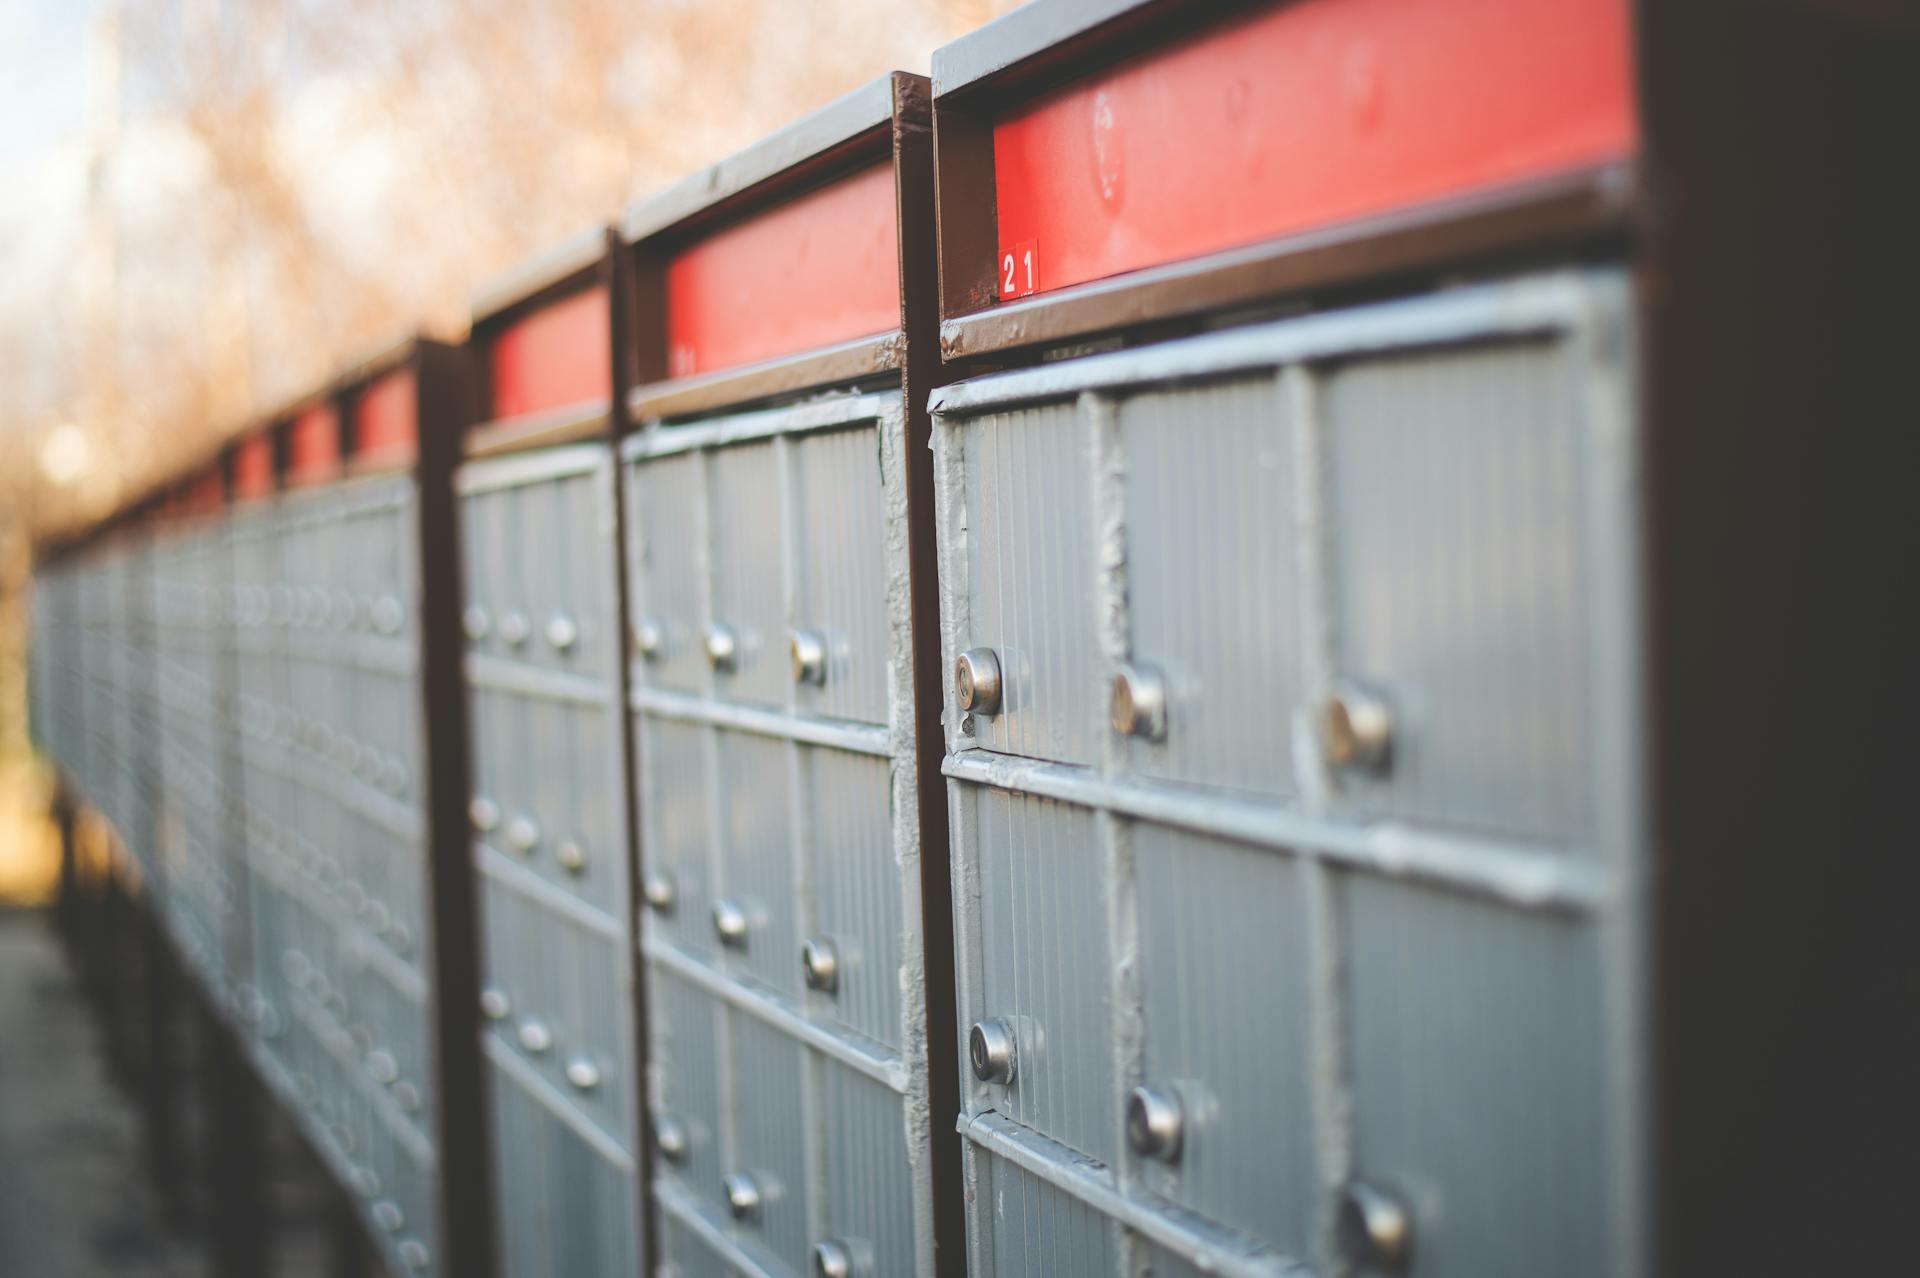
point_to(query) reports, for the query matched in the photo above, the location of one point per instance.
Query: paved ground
(74, 1198)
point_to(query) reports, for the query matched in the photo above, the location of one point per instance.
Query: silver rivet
(535, 1037)
(649, 639)
(990, 1046)
(382, 1068)
(562, 633)
(401, 937)
(743, 1194)
(730, 923)
(414, 1254)
(571, 856)
(1139, 704)
(476, 622)
(494, 1003)
(514, 628)
(387, 1214)
(820, 964)
(1357, 729)
(1155, 1123)
(483, 812)
(377, 916)
(976, 681)
(523, 836)
(365, 1181)
(723, 649)
(809, 651)
(1374, 1228)
(406, 1096)
(659, 891)
(388, 615)
(583, 1074)
(832, 1259)
(670, 1138)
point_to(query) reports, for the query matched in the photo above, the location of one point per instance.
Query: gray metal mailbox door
(779, 840)
(550, 843)
(1291, 759)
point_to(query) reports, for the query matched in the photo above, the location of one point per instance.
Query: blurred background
(209, 205)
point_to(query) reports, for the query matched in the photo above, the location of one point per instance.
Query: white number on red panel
(1019, 269)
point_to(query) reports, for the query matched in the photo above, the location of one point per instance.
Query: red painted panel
(383, 421)
(253, 468)
(313, 446)
(1301, 115)
(206, 494)
(559, 355)
(817, 270)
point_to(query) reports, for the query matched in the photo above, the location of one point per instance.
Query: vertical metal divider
(1328, 1083)
(1099, 417)
(446, 405)
(947, 1181)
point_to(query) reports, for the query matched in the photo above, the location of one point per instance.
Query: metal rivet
(406, 1096)
(365, 1181)
(382, 1068)
(377, 916)
(1374, 1228)
(494, 1003)
(388, 615)
(571, 856)
(659, 891)
(743, 1194)
(809, 651)
(832, 1259)
(535, 1037)
(387, 1215)
(514, 628)
(1357, 729)
(483, 812)
(523, 836)
(562, 633)
(730, 923)
(670, 1138)
(401, 938)
(476, 622)
(820, 964)
(1139, 703)
(976, 681)
(990, 1046)
(1155, 1123)
(649, 639)
(414, 1253)
(723, 649)
(583, 1074)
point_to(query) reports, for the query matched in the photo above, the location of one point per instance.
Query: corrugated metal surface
(1331, 973)
(550, 846)
(780, 810)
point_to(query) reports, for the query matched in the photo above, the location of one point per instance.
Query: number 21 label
(1019, 269)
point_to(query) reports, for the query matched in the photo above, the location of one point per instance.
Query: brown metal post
(239, 1225)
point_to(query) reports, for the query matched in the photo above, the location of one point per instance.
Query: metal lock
(583, 1074)
(743, 1194)
(1138, 707)
(562, 632)
(833, 1258)
(723, 649)
(382, 1068)
(820, 964)
(649, 639)
(476, 622)
(407, 1097)
(484, 813)
(1156, 1123)
(808, 649)
(976, 681)
(992, 1048)
(414, 1254)
(387, 1214)
(523, 836)
(670, 1138)
(658, 888)
(730, 923)
(535, 1037)
(1356, 729)
(388, 615)
(571, 856)
(1374, 1228)
(514, 628)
